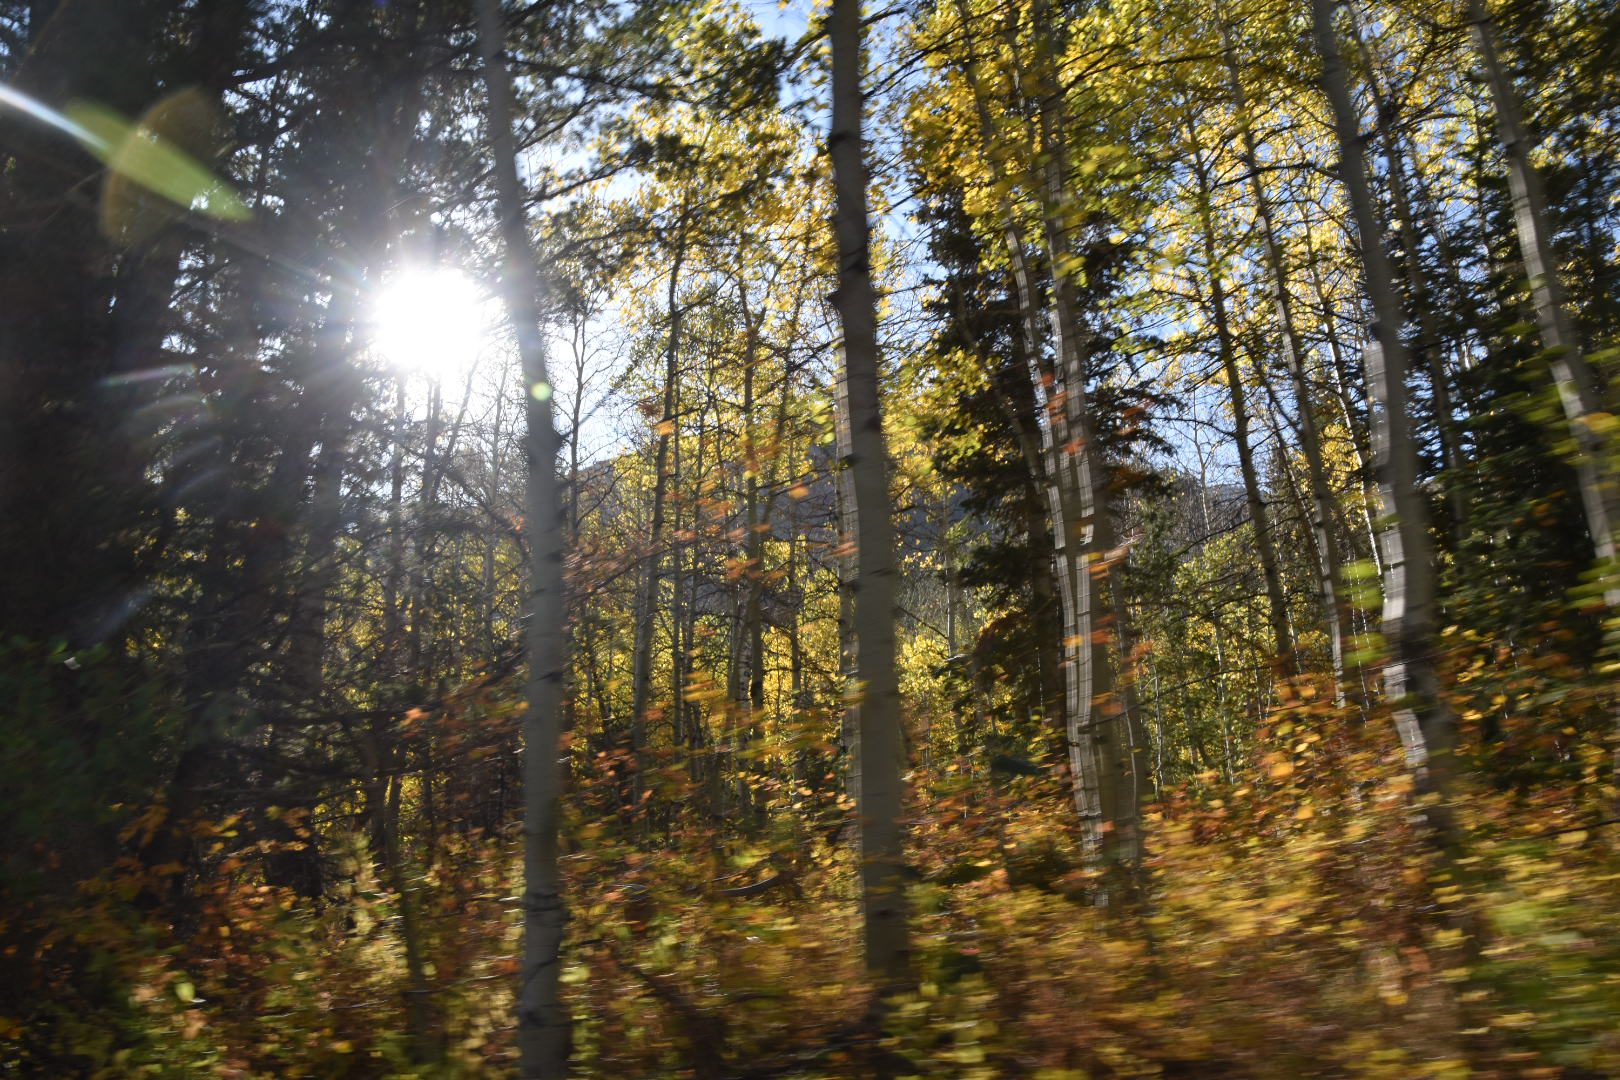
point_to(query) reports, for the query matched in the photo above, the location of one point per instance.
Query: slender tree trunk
(888, 947)
(1018, 392)
(1077, 491)
(1098, 740)
(847, 527)
(647, 601)
(420, 637)
(394, 576)
(1430, 341)
(381, 757)
(1334, 613)
(678, 608)
(1265, 550)
(543, 1023)
(372, 212)
(1578, 386)
(306, 648)
(796, 682)
(953, 583)
(1053, 558)
(1426, 725)
(1217, 624)
(491, 496)
(1339, 375)
(756, 522)
(575, 419)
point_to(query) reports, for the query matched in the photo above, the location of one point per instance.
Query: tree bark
(543, 1022)
(1334, 612)
(887, 942)
(1226, 344)
(1578, 386)
(1427, 727)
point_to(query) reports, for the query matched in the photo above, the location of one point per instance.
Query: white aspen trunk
(1043, 464)
(1427, 727)
(1066, 474)
(1429, 343)
(543, 1022)
(888, 947)
(1577, 384)
(1102, 743)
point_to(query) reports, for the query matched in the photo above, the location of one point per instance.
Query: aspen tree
(543, 1023)
(1427, 728)
(887, 940)
(1329, 559)
(1590, 423)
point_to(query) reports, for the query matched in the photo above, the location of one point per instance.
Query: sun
(434, 322)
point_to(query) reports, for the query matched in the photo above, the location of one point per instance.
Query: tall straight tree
(1102, 752)
(1427, 728)
(1577, 384)
(543, 1024)
(1107, 751)
(1039, 453)
(1430, 343)
(1293, 348)
(652, 574)
(882, 749)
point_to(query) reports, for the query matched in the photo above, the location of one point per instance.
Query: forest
(730, 539)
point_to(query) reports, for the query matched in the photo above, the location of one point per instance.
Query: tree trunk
(1338, 372)
(491, 498)
(1276, 604)
(543, 1023)
(1427, 727)
(1334, 613)
(382, 758)
(1040, 453)
(888, 947)
(647, 600)
(1104, 752)
(1578, 386)
(1430, 344)
(756, 521)
(847, 527)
